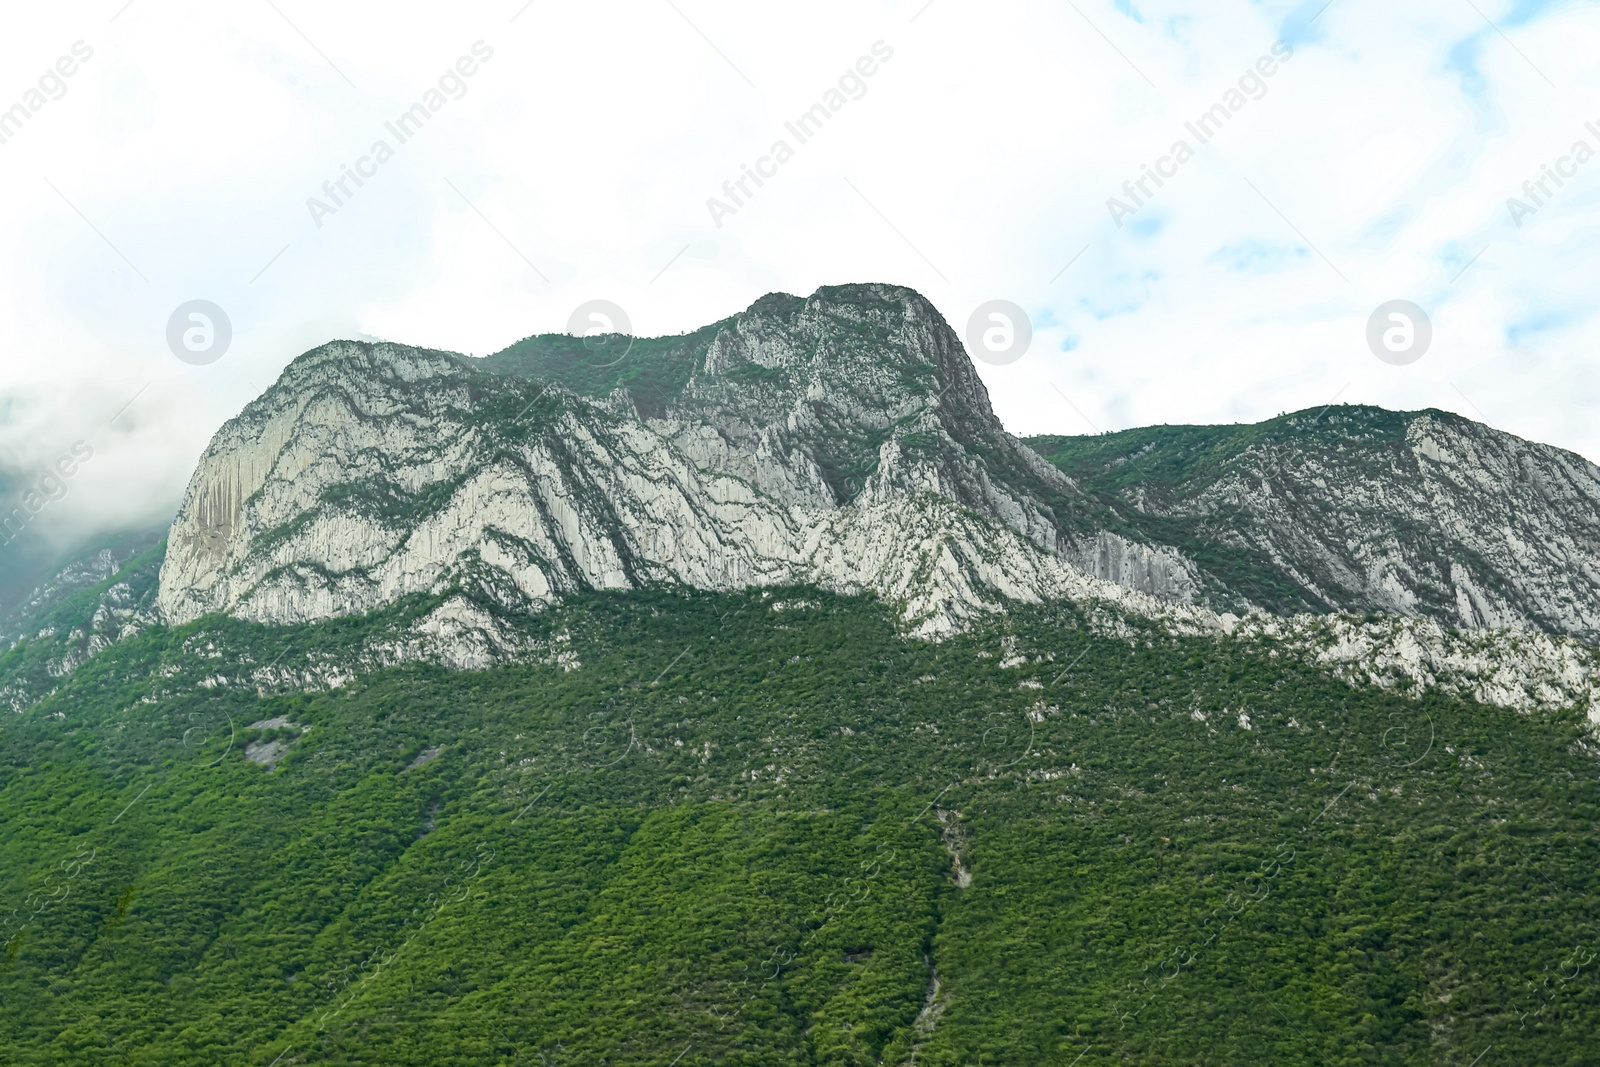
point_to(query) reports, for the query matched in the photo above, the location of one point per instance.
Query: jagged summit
(861, 356)
(845, 439)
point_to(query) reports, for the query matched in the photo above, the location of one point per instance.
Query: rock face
(39, 609)
(843, 440)
(1358, 509)
(91, 603)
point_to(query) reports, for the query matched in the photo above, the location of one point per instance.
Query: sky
(1358, 153)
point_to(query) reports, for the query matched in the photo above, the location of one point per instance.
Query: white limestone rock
(844, 441)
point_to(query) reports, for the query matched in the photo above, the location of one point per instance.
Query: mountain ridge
(491, 726)
(794, 441)
(844, 442)
(1420, 513)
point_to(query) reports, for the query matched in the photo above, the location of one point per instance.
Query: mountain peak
(878, 338)
(843, 439)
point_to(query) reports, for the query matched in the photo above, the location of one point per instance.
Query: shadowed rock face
(1359, 509)
(842, 439)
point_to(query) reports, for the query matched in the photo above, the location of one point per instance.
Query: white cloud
(1386, 147)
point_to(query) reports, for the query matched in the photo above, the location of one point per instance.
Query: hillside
(765, 828)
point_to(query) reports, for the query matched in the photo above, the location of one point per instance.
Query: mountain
(81, 577)
(752, 697)
(1358, 509)
(843, 440)
(81, 607)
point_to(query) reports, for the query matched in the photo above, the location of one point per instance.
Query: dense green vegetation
(742, 832)
(653, 370)
(1174, 457)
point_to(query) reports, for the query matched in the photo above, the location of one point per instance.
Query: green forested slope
(745, 835)
(653, 370)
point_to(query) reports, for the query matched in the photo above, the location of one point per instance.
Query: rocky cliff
(845, 440)
(842, 440)
(1358, 509)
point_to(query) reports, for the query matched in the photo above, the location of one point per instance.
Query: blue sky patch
(1258, 257)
